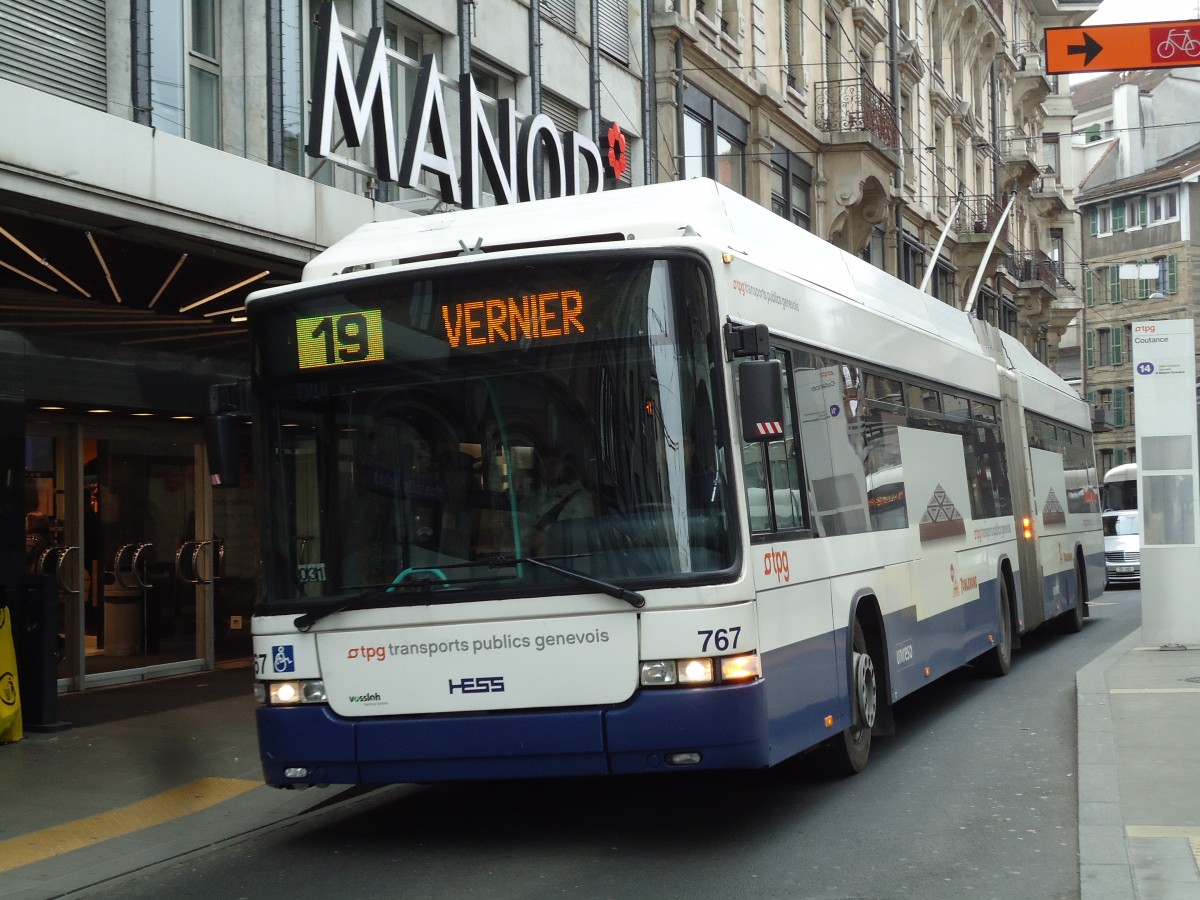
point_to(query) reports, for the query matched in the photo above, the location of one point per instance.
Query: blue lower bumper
(726, 725)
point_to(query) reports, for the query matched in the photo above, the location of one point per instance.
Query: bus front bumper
(657, 731)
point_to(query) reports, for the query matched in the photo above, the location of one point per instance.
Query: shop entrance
(122, 522)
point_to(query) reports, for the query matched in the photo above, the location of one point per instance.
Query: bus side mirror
(760, 398)
(221, 438)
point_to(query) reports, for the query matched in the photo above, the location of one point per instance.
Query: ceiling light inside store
(103, 265)
(45, 262)
(224, 312)
(167, 280)
(39, 281)
(230, 289)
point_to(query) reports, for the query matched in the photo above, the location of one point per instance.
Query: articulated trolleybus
(642, 481)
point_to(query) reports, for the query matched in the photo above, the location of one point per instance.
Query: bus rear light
(690, 758)
(1027, 528)
(290, 693)
(700, 670)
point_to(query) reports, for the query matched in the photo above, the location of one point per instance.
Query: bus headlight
(700, 670)
(290, 693)
(741, 668)
(696, 671)
(659, 672)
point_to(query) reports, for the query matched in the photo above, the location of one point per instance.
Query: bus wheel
(1072, 621)
(849, 751)
(997, 661)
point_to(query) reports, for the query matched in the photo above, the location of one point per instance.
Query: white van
(1122, 547)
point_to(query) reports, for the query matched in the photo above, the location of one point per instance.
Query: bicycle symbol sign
(1167, 42)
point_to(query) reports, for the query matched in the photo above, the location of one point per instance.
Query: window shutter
(1116, 337)
(57, 46)
(1119, 456)
(1172, 277)
(614, 29)
(1091, 351)
(1118, 409)
(1114, 283)
(1094, 220)
(1144, 285)
(1089, 289)
(1143, 210)
(1118, 217)
(560, 12)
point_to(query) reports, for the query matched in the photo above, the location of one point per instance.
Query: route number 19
(339, 339)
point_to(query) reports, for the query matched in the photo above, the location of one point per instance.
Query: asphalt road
(974, 796)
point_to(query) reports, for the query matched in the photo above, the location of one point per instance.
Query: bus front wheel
(850, 750)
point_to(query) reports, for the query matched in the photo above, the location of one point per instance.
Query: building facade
(1138, 206)
(161, 159)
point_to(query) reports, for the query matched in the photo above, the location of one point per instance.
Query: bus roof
(695, 209)
(1123, 472)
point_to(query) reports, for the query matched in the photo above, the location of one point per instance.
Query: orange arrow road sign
(1114, 48)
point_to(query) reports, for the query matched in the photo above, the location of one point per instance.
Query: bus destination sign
(533, 318)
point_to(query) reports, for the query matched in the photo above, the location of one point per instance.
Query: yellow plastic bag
(10, 694)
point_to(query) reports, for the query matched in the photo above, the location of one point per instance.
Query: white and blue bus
(641, 481)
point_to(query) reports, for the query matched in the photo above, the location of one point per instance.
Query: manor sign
(572, 162)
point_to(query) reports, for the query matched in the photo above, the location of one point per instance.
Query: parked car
(1122, 547)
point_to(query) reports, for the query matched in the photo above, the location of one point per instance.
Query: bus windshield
(427, 433)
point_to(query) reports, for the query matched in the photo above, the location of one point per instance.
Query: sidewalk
(180, 773)
(141, 778)
(1139, 773)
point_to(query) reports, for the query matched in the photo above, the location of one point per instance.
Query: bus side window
(774, 496)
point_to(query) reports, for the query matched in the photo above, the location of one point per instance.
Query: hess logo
(488, 684)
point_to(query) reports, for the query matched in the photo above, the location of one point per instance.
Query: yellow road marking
(1163, 831)
(1191, 832)
(193, 797)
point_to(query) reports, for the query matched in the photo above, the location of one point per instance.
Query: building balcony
(854, 108)
(1031, 84)
(978, 215)
(1046, 192)
(1034, 269)
(1018, 152)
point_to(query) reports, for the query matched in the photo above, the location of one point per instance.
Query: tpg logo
(776, 561)
(489, 684)
(1143, 329)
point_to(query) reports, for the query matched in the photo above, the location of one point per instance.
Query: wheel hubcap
(864, 684)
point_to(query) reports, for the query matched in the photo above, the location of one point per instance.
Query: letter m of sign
(368, 97)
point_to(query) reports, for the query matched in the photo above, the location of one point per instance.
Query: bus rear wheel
(1072, 620)
(849, 751)
(997, 661)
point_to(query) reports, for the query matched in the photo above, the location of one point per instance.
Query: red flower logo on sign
(618, 158)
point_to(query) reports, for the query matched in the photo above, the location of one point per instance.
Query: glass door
(118, 519)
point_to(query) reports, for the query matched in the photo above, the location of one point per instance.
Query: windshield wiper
(436, 577)
(341, 604)
(633, 598)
